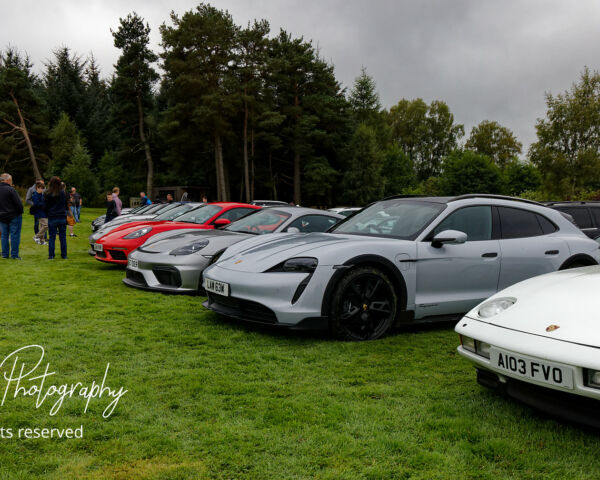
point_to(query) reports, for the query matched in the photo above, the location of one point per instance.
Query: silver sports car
(173, 261)
(160, 212)
(400, 259)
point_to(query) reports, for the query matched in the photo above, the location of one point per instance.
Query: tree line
(249, 113)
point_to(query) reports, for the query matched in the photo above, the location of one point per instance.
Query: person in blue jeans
(11, 217)
(55, 205)
(75, 204)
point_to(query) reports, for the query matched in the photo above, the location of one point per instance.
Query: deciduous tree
(497, 142)
(426, 133)
(567, 152)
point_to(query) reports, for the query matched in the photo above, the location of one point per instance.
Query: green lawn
(209, 398)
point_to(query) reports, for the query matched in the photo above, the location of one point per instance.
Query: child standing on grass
(39, 214)
(70, 219)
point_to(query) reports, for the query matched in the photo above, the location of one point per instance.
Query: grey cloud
(487, 59)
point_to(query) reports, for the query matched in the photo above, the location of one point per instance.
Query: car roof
(232, 204)
(577, 203)
(298, 211)
(465, 197)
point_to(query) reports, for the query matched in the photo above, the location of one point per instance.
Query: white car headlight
(496, 306)
(592, 378)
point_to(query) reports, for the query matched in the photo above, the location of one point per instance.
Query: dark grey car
(173, 261)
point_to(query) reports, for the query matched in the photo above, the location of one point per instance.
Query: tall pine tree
(132, 85)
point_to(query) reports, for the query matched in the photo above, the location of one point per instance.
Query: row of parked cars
(479, 259)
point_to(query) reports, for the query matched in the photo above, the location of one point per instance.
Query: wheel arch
(360, 261)
(583, 258)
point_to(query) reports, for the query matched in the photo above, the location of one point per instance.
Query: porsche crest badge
(551, 328)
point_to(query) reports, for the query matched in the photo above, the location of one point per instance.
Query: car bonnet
(187, 237)
(260, 254)
(562, 305)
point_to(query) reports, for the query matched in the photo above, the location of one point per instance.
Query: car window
(236, 213)
(581, 215)
(200, 215)
(155, 208)
(313, 223)
(259, 222)
(399, 218)
(547, 225)
(476, 222)
(175, 212)
(596, 214)
(517, 223)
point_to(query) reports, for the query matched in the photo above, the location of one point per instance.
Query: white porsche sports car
(539, 342)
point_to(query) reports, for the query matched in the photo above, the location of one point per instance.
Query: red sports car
(114, 247)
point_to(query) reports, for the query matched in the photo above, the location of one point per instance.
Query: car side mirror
(221, 222)
(293, 230)
(448, 237)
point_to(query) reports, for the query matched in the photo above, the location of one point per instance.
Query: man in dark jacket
(11, 217)
(111, 208)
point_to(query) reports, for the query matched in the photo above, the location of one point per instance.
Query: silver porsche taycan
(398, 260)
(173, 262)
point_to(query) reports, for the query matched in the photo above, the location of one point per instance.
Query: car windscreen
(175, 212)
(200, 215)
(398, 218)
(141, 210)
(157, 207)
(263, 221)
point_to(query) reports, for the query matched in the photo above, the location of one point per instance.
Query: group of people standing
(53, 212)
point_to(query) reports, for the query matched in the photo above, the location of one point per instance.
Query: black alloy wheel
(364, 305)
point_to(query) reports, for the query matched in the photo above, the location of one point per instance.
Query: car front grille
(136, 277)
(167, 276)
(118, 255)
(101, 254)
(243, 309)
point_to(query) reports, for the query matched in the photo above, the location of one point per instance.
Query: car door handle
(552, 252)
(490, 255)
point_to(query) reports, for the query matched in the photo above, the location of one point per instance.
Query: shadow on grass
(320, 335)
(271, 330)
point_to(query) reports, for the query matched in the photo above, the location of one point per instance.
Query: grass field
(209, 398)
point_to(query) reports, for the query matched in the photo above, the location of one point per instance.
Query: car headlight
(298, 264)
(138, 233)
(494, 307)
(190, 248)
(592, 378)
(475, 346)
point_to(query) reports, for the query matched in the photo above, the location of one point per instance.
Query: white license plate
(214, 286)
(132, 262)
(98, 247)
(532, 368)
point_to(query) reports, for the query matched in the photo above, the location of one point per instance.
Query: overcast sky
(487, 59)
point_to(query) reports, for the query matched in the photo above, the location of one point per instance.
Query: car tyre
(364, 305)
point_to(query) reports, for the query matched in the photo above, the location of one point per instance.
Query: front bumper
(579, 404)
(112, 255)
(567, 406)
(274, 292)
(166, 273)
